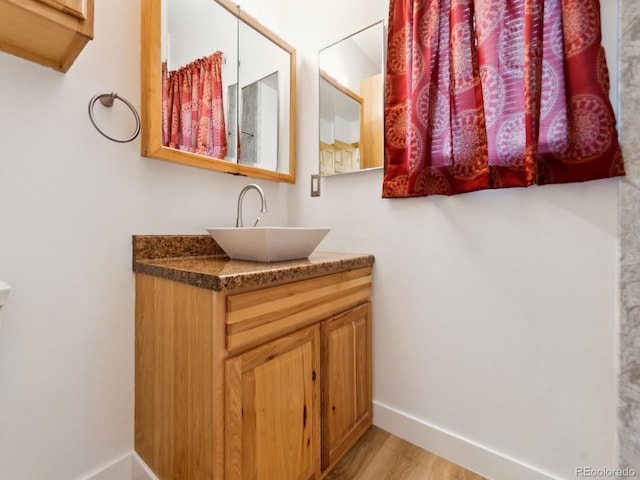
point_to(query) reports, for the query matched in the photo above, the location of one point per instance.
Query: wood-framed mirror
(351, 95)
(245, 124)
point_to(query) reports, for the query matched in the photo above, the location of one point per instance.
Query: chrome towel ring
(107, 100)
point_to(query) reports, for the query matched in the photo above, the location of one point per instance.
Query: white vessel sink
(268, 244)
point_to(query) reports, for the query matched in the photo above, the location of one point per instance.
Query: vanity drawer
(256, 317)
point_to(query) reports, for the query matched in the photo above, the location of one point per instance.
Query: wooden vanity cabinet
(259, 384)
(272, 409)
(346, 386)
(48, 32)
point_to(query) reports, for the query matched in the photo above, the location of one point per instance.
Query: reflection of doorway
(259, 123)
(250, 125)
(341, 114)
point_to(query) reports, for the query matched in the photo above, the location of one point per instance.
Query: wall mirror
(218, 89)
(351, 93)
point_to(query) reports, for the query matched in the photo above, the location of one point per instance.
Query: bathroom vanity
(245, 369)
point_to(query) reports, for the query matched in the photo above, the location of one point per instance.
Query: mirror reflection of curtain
(192, 107)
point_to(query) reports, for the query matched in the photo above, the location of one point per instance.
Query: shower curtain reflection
(192, 107)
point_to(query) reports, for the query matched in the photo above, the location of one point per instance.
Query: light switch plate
(315, 185)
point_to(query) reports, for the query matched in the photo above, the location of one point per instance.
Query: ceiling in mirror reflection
(188, 32)
(351, 102)
(354, 58)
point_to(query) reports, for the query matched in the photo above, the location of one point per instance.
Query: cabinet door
(327, 159)
(271, 413)
(48, 32)
(346, 381)
(372, 136)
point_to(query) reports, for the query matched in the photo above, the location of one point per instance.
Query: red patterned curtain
(496, 93)
(192, 107)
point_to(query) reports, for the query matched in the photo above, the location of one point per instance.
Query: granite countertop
(198, 260)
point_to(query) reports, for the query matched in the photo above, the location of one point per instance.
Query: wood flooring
(379, 455)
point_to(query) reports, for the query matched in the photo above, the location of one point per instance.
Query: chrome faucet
(241, 197)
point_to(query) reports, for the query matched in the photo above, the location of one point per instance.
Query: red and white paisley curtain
(192, 107)
(496, 93)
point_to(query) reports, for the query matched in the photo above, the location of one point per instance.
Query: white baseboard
(472, 456)
(129, 467)
(486, 462)
(139, 469)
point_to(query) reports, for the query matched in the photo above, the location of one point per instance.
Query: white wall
(71, 199)
(495, 312)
